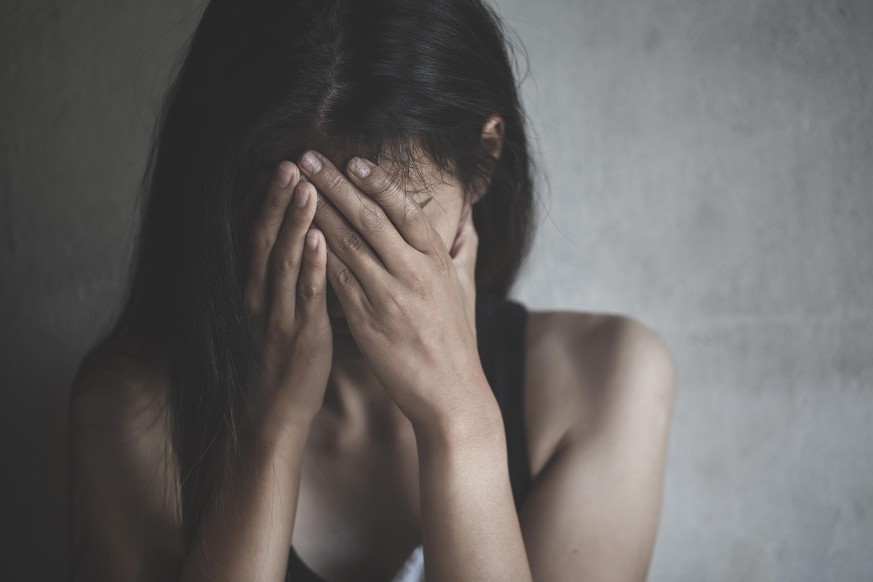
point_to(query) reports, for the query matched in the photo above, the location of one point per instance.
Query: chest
(358, 516)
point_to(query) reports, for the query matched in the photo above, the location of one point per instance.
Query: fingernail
(284, 174)
(359, 167)
(301, 197)
(312, 239)
(310, 162)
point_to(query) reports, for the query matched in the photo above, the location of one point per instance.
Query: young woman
(317, 374)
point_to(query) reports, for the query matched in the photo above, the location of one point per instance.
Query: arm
(125, 494)
(470, 529)
(124, 514)
(409, 299)
(593, 511)
(126, 501)
(392, 271)
(246, 533)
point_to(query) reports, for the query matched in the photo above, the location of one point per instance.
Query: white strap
(413, 569)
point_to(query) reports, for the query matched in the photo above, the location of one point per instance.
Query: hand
(409, 301)
(463, 255)
(285, 296)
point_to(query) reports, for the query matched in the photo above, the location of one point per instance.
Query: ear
(492, 135)
(492, 141)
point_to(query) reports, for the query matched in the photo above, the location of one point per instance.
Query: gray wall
(709, 171)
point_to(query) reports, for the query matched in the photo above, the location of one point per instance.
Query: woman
(317, 374)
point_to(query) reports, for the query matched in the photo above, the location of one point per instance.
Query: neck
(356, 404)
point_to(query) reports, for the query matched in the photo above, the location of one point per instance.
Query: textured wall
(709, 171)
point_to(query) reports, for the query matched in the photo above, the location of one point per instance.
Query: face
(441, 198)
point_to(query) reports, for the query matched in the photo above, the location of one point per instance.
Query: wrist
(271, 431)
(476, 425)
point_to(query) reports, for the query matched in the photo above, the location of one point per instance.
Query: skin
(409, 299)
(359, 441)
(407, 296)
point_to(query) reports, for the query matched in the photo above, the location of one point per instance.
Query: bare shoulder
(124, 496)
(587, 370)
(119, 382)
(119, 410)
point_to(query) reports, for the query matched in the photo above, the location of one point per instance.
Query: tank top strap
(501, 335)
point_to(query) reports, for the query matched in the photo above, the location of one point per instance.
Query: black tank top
(501, 326)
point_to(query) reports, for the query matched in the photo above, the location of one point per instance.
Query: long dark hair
(261, 81)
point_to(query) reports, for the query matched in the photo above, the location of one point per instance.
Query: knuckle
(380, 185)
(308, 291)
(283, 264)
(351, 241)
(334, 180)
(321, 205)
(413, 215)
(372, 221)
(343, 276)
(417, 284)
(395, 303)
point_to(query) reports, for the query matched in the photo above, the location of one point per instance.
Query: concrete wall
(709, 171)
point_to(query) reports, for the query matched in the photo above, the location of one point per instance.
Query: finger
(265, 231)
(352, 296)
(286, 257)
(402, 209)
(364, 215)
(404, 212)
(312, 285)
(349, 245)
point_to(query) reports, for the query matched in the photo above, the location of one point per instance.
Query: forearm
(470, 528)
(246, 531)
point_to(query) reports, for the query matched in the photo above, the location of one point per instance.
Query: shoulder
(589, 371)
(125, 511)
(118, 387)
(599, 394)
(119, 411)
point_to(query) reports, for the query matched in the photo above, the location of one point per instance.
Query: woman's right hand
(285, 296)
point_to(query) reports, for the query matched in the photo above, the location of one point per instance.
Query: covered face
(441, 197)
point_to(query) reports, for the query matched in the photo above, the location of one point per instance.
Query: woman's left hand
(409, 301)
